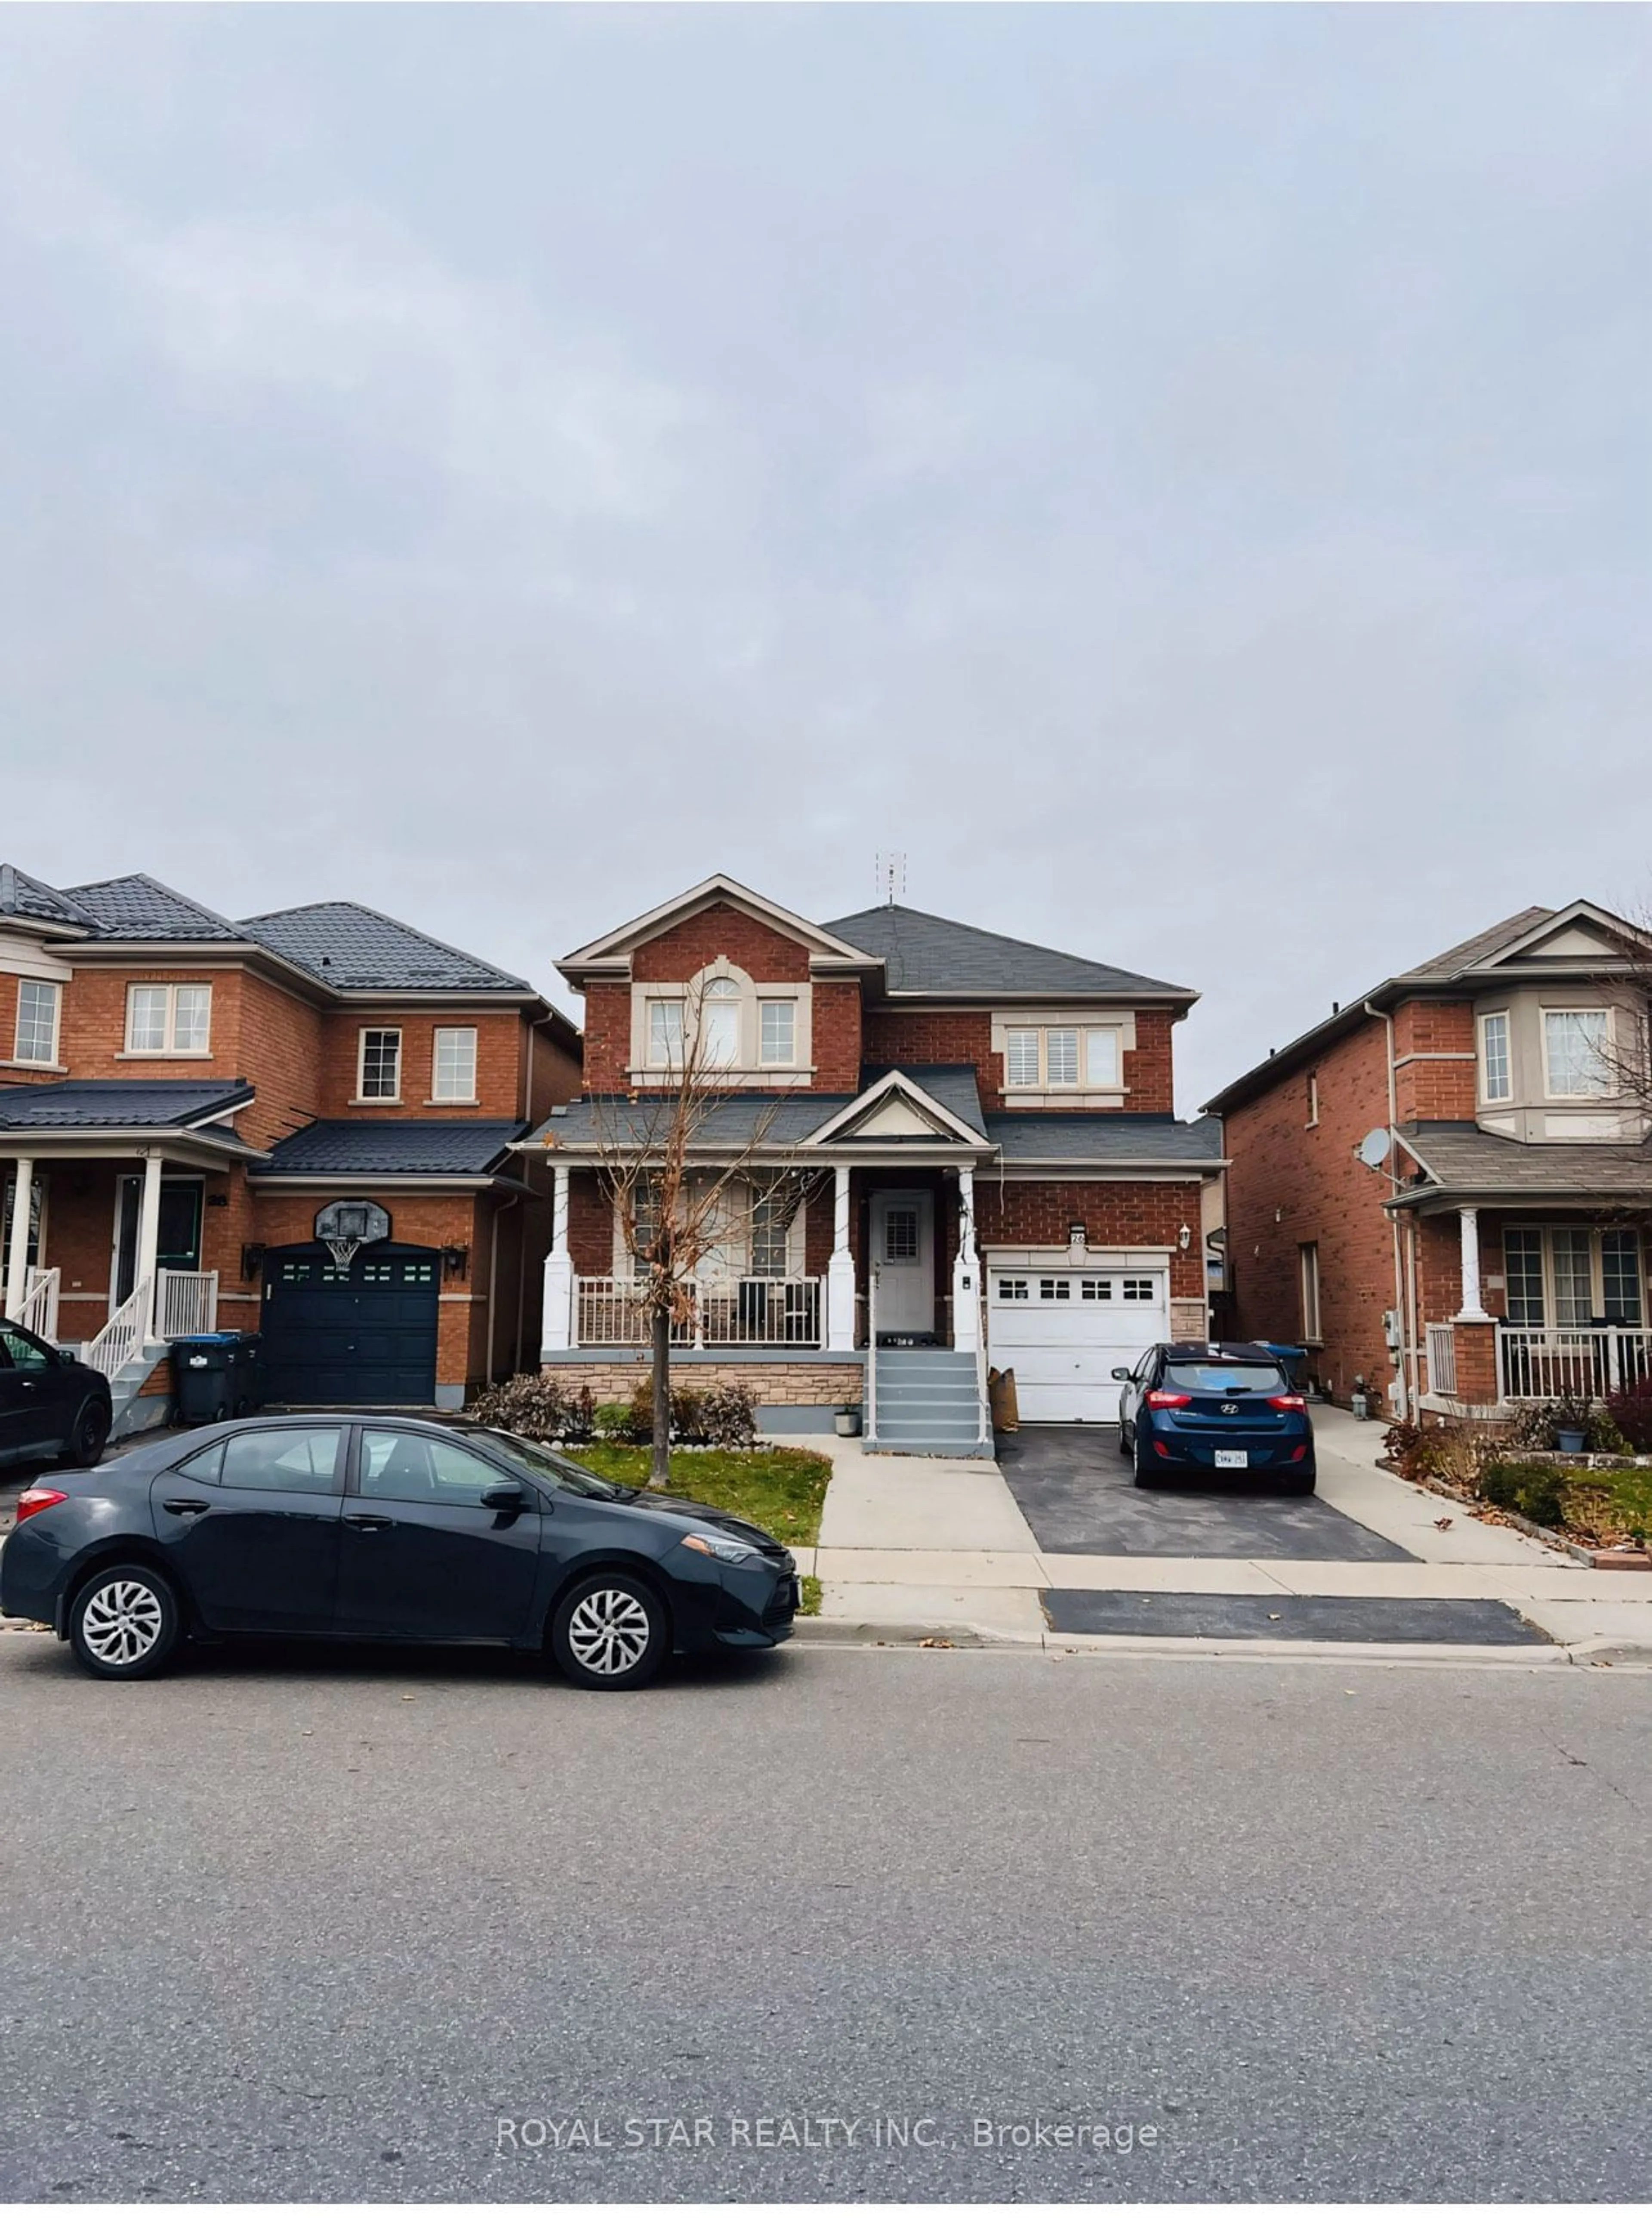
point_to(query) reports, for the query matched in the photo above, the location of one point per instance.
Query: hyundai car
(1213, 1408)
(363, 1528)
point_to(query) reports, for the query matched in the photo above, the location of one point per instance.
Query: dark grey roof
(780, 1120)
(952, 1084)
(141, 907)
(390, 1147)
(1105, 1137)
(1469, 953)
(82, 1105)
(1462, 1159)
(924, 954)
(357, 950)
(21, 896)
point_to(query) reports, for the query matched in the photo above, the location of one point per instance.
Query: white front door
(903, 1255)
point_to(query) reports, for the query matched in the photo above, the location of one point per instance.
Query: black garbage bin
(1293, 1361)
(216, 1375)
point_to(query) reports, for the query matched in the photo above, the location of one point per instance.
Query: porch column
(840, 1271)
(148, 1238)
(1470, 1308)
(966, 1267)
(16, 1278)
(557, 1330)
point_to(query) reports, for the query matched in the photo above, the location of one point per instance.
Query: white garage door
(1061, 1332)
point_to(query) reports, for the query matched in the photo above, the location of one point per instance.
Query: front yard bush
(1631, 1410)
(1537, 1490)
(538, 1406)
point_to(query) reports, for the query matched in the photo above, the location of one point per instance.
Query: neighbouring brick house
(188, 1103)
(1494, 1249)
(962, 1140)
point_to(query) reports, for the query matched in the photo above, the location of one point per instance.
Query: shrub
(1536, 1490)
(1631, 1495)
(631, 1421)
(730, 1418)
(688, 1416)
(534, 1404)
(1631, 1412)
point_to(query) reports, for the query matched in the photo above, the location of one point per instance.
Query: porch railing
(869, 1415)
(185, 1301)
(123, 1336)
(1541, 1363)
(39, 1313)
(1442, 1359)
(722, 1313)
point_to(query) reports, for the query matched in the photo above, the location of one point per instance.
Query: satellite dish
(1373, 1150)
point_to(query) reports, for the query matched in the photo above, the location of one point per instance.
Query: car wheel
(125, 1623)
(1124, 1438)
(1144, 1472)
(1297, 1484)
(85, 1444)
(611, 1631)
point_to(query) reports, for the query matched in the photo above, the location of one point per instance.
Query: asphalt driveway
(1076, 1492)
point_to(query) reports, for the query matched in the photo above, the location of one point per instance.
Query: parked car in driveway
(353, 1527)
(1215, 1408)
(52, 1408)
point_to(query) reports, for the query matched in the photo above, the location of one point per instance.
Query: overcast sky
(1182, 475)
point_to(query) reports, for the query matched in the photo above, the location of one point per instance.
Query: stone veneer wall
(792, 1385)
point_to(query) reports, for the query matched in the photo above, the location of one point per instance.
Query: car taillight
(37, 1497)
(1287, 1401)
(1158, 1399)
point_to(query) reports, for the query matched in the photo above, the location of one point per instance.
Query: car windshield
(1224, 1377)
(552, 1470)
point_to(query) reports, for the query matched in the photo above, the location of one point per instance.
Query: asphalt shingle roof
(952, 1084)
(84, 1105)
(359, 950)
(616, 1120)
(1106, 1136)
(1464, 1160)
(388, 1147)
(924, 954)
(141, 907)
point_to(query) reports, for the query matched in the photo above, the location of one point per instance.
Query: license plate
(1233, 1459)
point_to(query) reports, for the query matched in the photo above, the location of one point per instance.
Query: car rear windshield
(552, 1470)
(1224, 1377)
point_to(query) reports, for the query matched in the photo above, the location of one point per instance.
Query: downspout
(1408, 1381)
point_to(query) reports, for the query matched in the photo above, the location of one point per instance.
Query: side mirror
(1120, 1372)
(507, 1495)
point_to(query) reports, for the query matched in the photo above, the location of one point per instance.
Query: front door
(903, 1255)
(179, 1245)
(420, 1557)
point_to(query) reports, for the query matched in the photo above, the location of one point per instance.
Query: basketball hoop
(342, 1251)
(344, 1227)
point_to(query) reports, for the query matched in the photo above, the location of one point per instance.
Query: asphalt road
(346, 1928)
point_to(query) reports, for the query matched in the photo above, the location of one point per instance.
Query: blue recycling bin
(1291, 1360)
(216, 1375)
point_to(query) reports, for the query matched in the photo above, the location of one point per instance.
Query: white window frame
(1606, 1088)
(1309, 1292)
(1488, 1018)
(377, 1032)
(37, 985)
(1595, 1234)
(170, 1050)
(1313, 1117)
(1085, 1082)
(765, 1002)
(438, 1091)
(690, 995)
(666, 1055)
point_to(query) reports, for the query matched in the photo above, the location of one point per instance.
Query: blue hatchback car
(1215, 1408)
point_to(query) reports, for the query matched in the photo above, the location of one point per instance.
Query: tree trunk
(659, 1467)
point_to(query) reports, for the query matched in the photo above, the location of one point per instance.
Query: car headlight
(720, 1545)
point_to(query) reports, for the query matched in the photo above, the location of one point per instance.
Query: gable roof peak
(138, 907)
(611, 951)
(23, 896)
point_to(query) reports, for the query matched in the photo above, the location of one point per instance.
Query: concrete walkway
(882, 1567)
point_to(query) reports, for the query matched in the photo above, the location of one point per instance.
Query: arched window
(719, 1023)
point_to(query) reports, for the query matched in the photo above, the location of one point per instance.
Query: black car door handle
(368, 1524)
(181, 1508)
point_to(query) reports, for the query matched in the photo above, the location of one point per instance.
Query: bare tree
(1626, 1054)
(686, 1177)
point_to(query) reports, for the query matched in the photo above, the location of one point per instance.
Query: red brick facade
(1036, 1213)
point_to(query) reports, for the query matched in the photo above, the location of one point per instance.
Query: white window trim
(49, 1060)
(448, 1101)
(749, 1065)
(1544, 1235)
(1045, 1092)
(1579, 1009)
(1488, 1099)
(362, 1099)
(1313, 1117)
(171, 1052)
(739, 1202)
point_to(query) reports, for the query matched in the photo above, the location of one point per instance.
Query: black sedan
(360, 1528)
(1215, 1408)
(51, 1407)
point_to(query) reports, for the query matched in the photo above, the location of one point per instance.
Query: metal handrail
(1540, 1363)
(869, 1428)
(185, 1301)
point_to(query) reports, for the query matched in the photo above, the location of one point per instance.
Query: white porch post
(557, 1330)
(966, 1267)
(840, 1271)
(1470, 1309)
(17, 1278)
(149, 1237)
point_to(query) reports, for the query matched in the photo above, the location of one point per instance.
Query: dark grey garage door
(365, 1333)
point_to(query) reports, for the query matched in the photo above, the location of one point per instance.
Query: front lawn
(779, 1488)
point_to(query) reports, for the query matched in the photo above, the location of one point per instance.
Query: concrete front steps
(139, 1397)
(927, 1402)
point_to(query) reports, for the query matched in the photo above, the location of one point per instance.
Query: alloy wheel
(609, 1632)
(121, 1623)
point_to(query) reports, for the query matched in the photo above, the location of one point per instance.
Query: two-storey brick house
(186, 1102)
(1491, 1247)
(958, 1147)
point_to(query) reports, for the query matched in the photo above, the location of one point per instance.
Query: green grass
(779, 1488)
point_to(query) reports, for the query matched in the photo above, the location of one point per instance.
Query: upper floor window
(1496, 1076)
(777, 1027)
(1311, 1101)
(36, 1039)
(378, 1076)
(1308, 1275)
(720, 1024)
(1078, 1055)
(1575, 1053)
(453, 1064)
(169, 1019)
(665, 1033)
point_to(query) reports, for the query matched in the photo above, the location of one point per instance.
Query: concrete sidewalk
(920, 1542)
